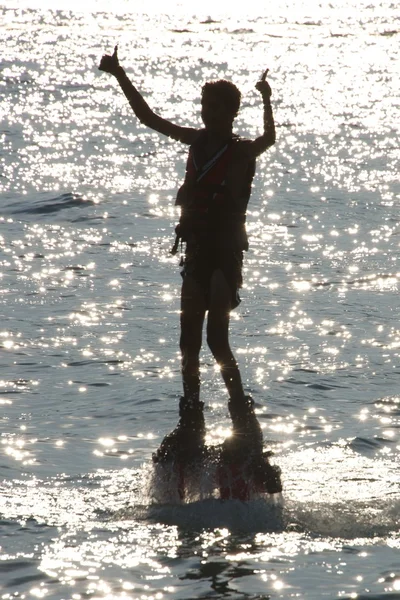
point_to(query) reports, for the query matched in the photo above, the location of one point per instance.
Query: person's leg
(193, 310)
(241, 407)
(220, 305)
(246, 442)
(186, 441)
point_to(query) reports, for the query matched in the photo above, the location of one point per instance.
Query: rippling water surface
(89, 303)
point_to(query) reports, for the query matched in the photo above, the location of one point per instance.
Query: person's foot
(245, 447)
(266, 476)
(246, 435)
(186, 442)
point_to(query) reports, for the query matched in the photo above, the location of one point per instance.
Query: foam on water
(319, 507)
(113, 518)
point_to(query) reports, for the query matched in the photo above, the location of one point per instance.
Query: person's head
(220, 102)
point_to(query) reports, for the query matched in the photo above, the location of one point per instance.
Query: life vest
(206, 206)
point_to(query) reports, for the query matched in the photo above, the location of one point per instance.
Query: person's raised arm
(267, 139)
(110, 64)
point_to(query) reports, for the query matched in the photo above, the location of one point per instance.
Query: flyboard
(216, 472)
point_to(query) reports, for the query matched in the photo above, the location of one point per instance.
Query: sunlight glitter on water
(86, 232)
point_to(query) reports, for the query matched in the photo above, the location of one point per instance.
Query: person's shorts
(200, 263)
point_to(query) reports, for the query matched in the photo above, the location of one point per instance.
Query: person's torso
(216, 191)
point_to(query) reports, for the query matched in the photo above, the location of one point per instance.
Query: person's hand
(110, 64)
(263, 86)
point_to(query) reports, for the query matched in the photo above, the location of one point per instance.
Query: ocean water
(89, 302)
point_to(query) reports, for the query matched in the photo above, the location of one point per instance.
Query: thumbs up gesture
(109, 63)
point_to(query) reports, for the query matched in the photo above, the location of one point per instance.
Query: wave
(256, 516)
(373, 278)
(347, 497)
(50, 205)
(383, 596)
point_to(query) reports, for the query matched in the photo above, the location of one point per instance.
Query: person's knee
(217, 342)
(220, 294)
(190, 362)
(190, 343)
(214, 345)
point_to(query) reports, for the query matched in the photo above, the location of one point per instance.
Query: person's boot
(245, 447)
(266, 476)
(186, 442)
(246, 431)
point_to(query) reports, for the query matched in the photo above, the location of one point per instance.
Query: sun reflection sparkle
(334, 158)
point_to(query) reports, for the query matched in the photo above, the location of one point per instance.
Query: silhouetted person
(213, 200)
